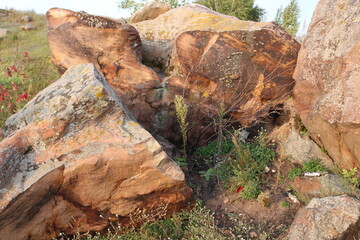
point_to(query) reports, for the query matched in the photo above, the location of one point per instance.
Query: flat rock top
(189, 18)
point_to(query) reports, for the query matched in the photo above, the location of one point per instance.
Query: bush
(242, 9)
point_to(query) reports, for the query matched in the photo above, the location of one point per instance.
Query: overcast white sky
(109, 7)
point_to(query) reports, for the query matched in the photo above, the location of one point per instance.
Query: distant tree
(288, 18)
(242, 9)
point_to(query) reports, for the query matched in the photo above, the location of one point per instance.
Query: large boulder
(222, 65)
(113, 47)
(74, 160)
(327, 218)
(322, 186)
(327, 91)
(150, 11)
(158, 34)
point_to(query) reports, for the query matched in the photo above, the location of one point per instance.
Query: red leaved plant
(13, 90)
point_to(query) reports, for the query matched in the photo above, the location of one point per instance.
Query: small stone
(293, 198)
(26, 18)
(27, 27)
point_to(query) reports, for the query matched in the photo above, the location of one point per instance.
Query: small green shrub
(351, 176)
(285, 204)
(181, 162)
(295, 172)
(313, 165)
(247, 169)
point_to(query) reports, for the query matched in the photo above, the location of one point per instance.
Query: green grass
(313, 165)
(37, 67)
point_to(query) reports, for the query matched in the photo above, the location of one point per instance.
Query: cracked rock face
(243, 73)
(327, 91)
(74, 159)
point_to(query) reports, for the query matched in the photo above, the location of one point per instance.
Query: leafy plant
(208, 173)
(285, 204)
(295, 172)
(313, 165)
(181, 161)
(14, 88)
(29, 53)
(248, 169)
(351, 176)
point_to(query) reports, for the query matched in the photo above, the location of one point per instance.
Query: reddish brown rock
(327, 88)
(245, 73)
(114, 48)
(322, 186)
(232, 68)
(74, 159)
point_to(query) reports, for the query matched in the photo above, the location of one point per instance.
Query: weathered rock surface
(74, 158)
(217, 62)
(323, 186)
(27, 27)
(327, 91)
(248, 70)
(327, 218)
(150, 11)
(301, 149)
(113, 47)
(26, 18)
(158, 34)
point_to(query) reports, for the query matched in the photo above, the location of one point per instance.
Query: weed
(14, 89)
(35, 62)
(209, 152)
(181, 162)
(295, 172)
(313, 165)
(323, 149)
(285, 204)
(181, 113)
(351, 176)
(301, 127)
(248, 169)
(208, 173)
(264, 199)
(198, 223)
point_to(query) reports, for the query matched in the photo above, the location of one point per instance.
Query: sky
(109, 7)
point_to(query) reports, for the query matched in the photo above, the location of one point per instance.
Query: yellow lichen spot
(99, 95)
(134, 124)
